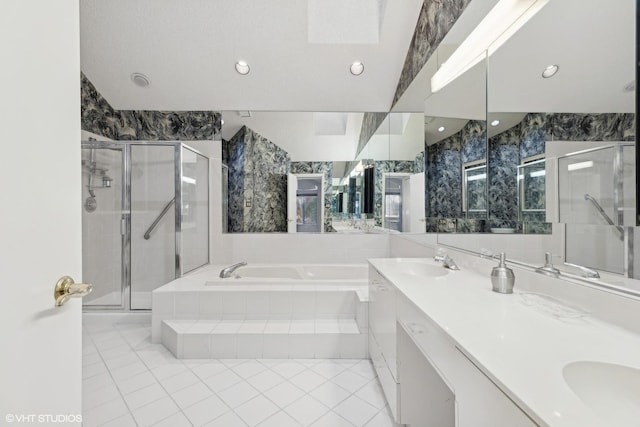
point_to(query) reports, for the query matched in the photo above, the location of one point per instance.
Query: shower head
(90, 204)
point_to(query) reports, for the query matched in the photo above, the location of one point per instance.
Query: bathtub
(291, 273)
(275, 311)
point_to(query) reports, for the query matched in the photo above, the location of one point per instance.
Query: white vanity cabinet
(478, 401)
(382, 335)
(427, 380)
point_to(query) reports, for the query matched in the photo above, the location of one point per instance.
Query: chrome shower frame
(125, 222)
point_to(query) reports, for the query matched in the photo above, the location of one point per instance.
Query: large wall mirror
(558, 133)
(565, 83)
(304, 172)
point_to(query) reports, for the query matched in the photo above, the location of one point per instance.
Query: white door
(292, 211)
(41, 367)
(417, 224)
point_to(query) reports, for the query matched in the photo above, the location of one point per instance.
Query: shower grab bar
(153, 226)
(603, 213)
(599, 208)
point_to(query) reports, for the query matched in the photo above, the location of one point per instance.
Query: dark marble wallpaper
(506, 151)
(444, 169)
(325, 168)
(419, 163)
(434, 22)
(504, 158)
(99, 117)
(257, 183)
(235, 152)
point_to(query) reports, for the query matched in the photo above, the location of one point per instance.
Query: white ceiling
(400, 138)
(299, 62)
(592, 41)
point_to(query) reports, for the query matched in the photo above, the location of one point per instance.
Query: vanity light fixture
(504, 20)
(550, 71)
(357, 68)
(441, 129)
(242, 68)
(140, 79)
(495, 123)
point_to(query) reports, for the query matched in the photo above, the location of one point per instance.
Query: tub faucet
(447, 261)
(226, 272)
(586, 272)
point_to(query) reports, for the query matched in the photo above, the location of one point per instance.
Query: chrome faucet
(548, 268)
(447, 261)
(586, 272)
(226, 272)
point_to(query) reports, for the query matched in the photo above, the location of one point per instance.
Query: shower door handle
(66, 288)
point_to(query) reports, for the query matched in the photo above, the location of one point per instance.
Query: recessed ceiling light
(495, 122)
(441, 129)
(550, 71)
(242, 68)
(140, 79)
(357, 68)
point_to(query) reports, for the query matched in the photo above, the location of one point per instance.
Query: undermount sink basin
(421, 269)
(612, 391)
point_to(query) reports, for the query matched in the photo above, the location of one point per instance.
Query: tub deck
(201, 316)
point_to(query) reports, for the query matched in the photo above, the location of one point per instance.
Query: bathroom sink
(421, 269)
(612, 391)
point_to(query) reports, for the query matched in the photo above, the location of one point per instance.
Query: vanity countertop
(521, 341)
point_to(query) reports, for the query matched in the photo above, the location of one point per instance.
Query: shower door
(145, 219)
(153, 220)
(103, 224)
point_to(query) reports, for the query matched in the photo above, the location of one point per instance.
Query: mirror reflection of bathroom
(309, 206)
(403, 208)
(531, 178)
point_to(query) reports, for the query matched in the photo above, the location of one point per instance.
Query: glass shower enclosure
(145, 219)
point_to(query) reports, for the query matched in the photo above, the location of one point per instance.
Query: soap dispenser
(502, 277)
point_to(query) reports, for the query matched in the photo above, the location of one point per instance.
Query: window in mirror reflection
(474, 185)
(531, 190)
(308, 208)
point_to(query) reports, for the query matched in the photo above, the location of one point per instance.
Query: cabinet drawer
(388, 383)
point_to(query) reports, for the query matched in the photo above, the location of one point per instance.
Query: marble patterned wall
(506, 152)
(325, 168)
(97, 116)
(434, 22)
(257, 183)
(444, 168)
(233, 155)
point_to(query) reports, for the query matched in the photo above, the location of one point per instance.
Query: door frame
(298, 176)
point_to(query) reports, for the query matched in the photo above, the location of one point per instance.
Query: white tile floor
(127, 381)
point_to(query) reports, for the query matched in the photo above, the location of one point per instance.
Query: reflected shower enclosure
(145, 219)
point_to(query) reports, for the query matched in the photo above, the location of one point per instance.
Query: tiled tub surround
(202, 316)
(521, 342)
